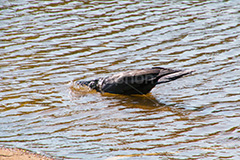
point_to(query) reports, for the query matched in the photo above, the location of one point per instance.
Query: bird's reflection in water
(146, 103)
(139, 101)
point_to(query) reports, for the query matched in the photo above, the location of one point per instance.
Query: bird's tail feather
(174, 76)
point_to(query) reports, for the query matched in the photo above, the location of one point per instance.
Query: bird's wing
(135, 76)
(164, 71)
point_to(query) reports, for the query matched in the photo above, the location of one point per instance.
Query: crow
(138, 81)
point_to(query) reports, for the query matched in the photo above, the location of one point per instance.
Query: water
(44, 45)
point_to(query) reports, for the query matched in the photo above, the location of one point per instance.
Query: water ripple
(46, 44)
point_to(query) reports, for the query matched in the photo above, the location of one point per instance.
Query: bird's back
(140, 81)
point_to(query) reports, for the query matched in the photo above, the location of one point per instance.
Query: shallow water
(44, 45)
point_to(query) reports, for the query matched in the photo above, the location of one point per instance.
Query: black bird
(139, 81)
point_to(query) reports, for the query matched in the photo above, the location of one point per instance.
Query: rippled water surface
(44, 45)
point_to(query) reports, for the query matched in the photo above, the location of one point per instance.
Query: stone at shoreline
(20, 154)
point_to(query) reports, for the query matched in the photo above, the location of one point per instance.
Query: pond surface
(44, 45)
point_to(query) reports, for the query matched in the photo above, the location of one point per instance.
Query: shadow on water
(145, 102)
(140, 101)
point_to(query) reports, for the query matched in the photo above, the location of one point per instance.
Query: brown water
(44, 45)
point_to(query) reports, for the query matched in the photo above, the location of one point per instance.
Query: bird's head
(93, 84)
